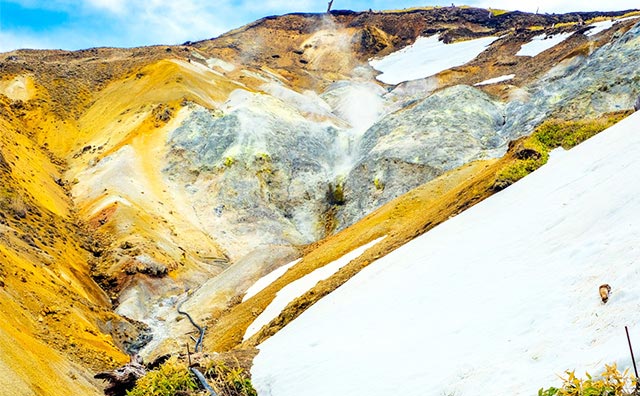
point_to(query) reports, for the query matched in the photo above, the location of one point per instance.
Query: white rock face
(258, 161)
(503, 297)
(411, 146)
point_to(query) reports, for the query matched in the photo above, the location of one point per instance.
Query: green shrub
(547, 136)
(523, 165)
(170, 378)
(610, 383)
(228, 381)
(518, 170)
(548, 392)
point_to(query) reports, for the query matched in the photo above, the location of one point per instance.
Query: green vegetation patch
(532, 152)
(175, 378)
(611, 382)
(496, 12)
(229, 381)
(567, 134)
(169, 379)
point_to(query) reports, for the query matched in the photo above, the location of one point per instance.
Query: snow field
(267, 280)
(599, 27)
(541, 43)
(502, 298)
(604, 25)
(299, 287)
(495, 80)
(426, 57)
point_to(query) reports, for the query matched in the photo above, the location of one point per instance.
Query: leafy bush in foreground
(167, 380)
(610, 383)
(175, 378)
(229, 381)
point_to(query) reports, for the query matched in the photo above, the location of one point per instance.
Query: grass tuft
(171, 378)
(229, 381)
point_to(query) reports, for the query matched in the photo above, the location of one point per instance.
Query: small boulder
(604, 291)
(526, 154)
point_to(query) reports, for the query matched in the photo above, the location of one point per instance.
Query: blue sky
(76, 24)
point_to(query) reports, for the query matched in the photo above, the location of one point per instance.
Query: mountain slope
(502, 298)
(56, 324)
(135, 179)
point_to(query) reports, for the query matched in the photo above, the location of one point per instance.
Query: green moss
(517, 171)
(532, 152)
(229, 161)
(567, 134)
(335, 194)
(529, 156)
(378, 184)
(170, 378)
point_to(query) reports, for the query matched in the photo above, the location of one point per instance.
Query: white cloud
(174, 22)
(133, 23)
(269, 7)
(114, 6)
(122, 23)
(66, 39)
(11, 40)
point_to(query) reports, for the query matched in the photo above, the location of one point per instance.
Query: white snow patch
(426, 57)
(628, 18)
(604, 25)
(496, 80)
(267, 280)
(502, 298)
(556, 154)
(599, 27)
(297, 288)
(541, 43)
